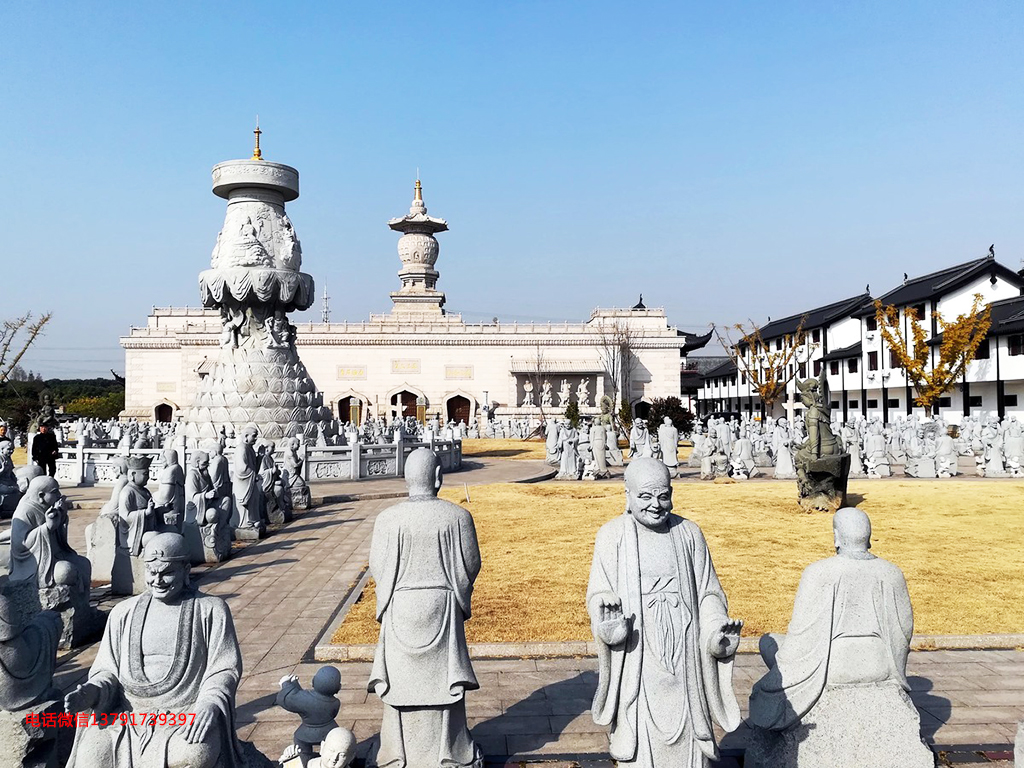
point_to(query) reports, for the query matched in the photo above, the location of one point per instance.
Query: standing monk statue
(665, 642)
(424, 558)
(249, 501)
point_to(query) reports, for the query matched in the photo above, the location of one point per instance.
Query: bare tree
(16, 336)
(536, 377)
(768, 370)
(619, 341)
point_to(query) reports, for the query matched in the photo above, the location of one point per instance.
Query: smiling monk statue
(170, 652)
(665, 641)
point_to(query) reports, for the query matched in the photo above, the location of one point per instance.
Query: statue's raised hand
(726, 639)
(196, 730)
(612, 627)
(82, 698)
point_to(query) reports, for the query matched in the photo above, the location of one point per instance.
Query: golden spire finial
(419, 191)
(257, 154)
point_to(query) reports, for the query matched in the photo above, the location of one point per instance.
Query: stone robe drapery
(420, 557)
(206, 667)
(27, 662)
(424, 557)
(698, 595)
(35, 549)
(246, 486)
(134, 522)
(840, 597)
(220, 475)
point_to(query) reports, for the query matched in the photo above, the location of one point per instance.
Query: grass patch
(521, 450)
(957, 541)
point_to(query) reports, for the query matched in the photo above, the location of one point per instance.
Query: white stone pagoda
(254, 281)
(418, 249)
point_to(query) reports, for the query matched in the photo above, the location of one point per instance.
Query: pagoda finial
(419, 191)
(257, 153)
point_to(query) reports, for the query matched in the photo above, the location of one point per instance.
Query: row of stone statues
(211, 503)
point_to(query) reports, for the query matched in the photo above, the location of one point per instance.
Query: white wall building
(418, 352)
(863, 374)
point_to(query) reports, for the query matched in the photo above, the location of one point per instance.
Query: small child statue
(317, 708)
(337, 750)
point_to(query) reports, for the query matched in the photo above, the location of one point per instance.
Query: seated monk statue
(39, 540)
(28, 655)
(171, 650)
(9, 493)
(835, 690)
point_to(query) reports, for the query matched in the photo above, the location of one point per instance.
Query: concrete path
(284, 591)
(475, 471)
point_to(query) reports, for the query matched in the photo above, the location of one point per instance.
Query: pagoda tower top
(418, 250)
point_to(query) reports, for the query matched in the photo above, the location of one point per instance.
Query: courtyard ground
(284, 592)
(957, 542)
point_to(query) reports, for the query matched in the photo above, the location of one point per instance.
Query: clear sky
(728, 160)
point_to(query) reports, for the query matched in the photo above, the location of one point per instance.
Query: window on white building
(872, 403)
(975, 401)
(945, 402)
(855, 403)
(854, 365)
(1010, 400)
(893, 402)
(872, 361)
(983, 351)
(833, 367)
(1016, 344)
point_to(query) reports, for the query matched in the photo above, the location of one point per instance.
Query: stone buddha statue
(840, 672)
(172, 651)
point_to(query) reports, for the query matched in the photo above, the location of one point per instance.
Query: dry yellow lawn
(958, 543)
(20, 457)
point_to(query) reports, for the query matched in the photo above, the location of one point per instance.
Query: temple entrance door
(345, 412)
(403, 404)
(164, 413)
(642, 410)
(458, 409)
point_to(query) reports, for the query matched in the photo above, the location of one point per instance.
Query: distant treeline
(94, 398)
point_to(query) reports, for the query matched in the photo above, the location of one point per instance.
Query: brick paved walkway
(284, 590)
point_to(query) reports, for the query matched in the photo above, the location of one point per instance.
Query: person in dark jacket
(45, 450)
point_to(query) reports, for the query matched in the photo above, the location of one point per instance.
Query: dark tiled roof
(854, 350)
(725, 369)
(938, 284)
(1007, 318)
(815, 318)
(695, 342)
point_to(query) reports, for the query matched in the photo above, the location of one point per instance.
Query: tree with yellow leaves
(769, 371)
(960, 341)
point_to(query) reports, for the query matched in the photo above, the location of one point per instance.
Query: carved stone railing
(95, 466)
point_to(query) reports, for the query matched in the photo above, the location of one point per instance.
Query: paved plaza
(285, 591)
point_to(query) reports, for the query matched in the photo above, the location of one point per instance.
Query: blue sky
(728, 160)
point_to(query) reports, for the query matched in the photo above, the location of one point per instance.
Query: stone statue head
(170, 456)
(138, 469)
(852, 530)
(6, 448)
(667, 421)
(327, 681)
(648, 492)
(249, 434)
(423, 473)
(120, 465)
(200, 460)
(338, 748)
(167, 566)
(44, 490)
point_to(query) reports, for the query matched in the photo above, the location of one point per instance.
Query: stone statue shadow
(934, 710)
(558, 703)
(246, 713)
(855, 499)
(223, 572)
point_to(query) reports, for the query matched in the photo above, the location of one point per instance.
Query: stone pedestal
(855, 725)
(122, 573)
(82, 622)
(100, 543)
(138, 566)
(301, 499)
(824, 488)
(28, 745)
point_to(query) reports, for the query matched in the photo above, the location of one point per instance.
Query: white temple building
(419, 360)
(864, 376)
